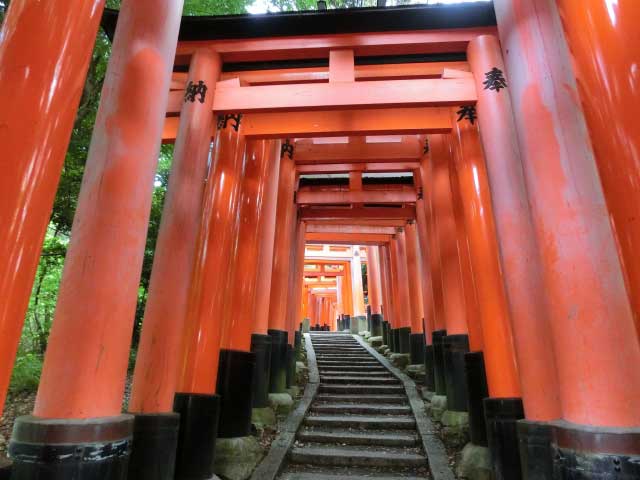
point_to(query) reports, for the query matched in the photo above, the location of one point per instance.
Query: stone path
(360, 425)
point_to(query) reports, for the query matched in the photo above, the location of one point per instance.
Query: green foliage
(26, 373)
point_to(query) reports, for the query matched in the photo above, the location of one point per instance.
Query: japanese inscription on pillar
(494, 80)
(287, 149)
(223, 121)
(195, 90)
(467, 112)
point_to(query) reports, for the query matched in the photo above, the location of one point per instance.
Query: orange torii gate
(519, 219)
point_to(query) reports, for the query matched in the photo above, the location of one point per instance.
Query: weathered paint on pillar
(373, 279)
(267, 237)
(282, 245)
(471, 173)
(237, 317)
(357, 292)
(594, 334)
(41, 89)
(160, 342)
(414, 286)
(98, 291)
(603, 38)
(452, 287)
(212, 267)
(520, 257)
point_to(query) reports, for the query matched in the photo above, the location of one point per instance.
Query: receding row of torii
(518, 257)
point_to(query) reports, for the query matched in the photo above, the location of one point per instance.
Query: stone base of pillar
(197, 435)
(59, 449)
(376, 325)
(404, 340)
(582, 452)
(237, 457)
(502, 415)
(305, 325)
(477, 390)
(235, 387)
(475, 463)
(291, 366)
(438, 361)
(361, 324)
(155, 441)
(534, 439)
(455, 348)
(278, 371)
(429, 374)
(417, 348)
(261, 348)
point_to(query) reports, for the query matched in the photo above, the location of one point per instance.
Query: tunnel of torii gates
(502, 235)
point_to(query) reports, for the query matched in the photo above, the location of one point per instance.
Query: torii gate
(520, 261)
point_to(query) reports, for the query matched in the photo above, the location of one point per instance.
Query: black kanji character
(194, 90)
(495, 80)
(468, 112)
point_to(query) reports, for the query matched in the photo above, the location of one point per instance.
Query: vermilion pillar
(424, 267)
(519, 251)
(358, 320)
(375, 289)
(400, 282)
(196, 398)
(160, 343)
(154, 388)
(266, 237)
(593, 328)
(41, 89)
(295, 299)
(387, 294)
(98, 291)
(415, 292)
(283, 244)
(602, 36)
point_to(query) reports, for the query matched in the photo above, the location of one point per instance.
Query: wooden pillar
(266, 234)
(592, 326)
(154, 388)
(373, 278)
(98, 291)
(34, 138)
(601, 37)
(414, 286)
(357, 291)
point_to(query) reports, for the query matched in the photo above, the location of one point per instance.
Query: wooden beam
(337, 96)
(315, 228)
(306, 197)
(318, 46)
(378, 222)
(351, 238)
(357, 167)
(409, 149)
(373, 213)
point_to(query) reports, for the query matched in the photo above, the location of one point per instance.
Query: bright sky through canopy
(262, 6)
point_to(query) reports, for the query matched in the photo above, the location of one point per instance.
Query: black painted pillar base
(369, 318)
(385, 333)
(63, 449)
(438, 361)
(534, 440)
(395, 343)
(502, 415)
(261, 348)
(155, 441)
(278, 371)
(235, 387)
(376, 325)
(455, 348)
(478, 390)
(404, 340)
(297, 344)
(417, 348)
(581, 452)
(197, 435)
(429, 373)
(291, 366)
(347, 323)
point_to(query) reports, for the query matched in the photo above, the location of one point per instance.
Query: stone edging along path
(272, 464)
(433, 446)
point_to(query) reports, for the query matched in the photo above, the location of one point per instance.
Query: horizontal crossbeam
(406, 195)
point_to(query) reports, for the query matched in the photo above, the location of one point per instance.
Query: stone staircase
(360, 425)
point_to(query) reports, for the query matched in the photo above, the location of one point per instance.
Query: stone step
(356, 457)
(352, 388)
(361, 421)
(364, 408)
(331, 371)
(384, 399)
(362, 379)
(347, 361)
(323, 356)
(340, 476)
(350, 437)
